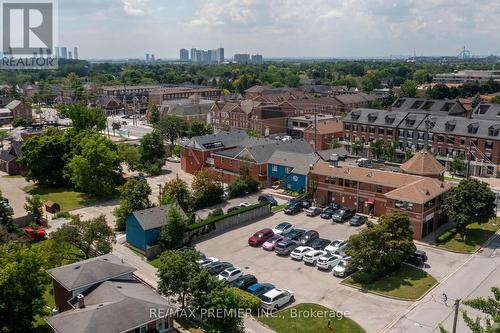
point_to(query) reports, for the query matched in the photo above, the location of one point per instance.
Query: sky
(280, 28)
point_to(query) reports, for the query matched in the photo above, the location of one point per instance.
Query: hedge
(214, 219)
(247, 300)
(446, 236)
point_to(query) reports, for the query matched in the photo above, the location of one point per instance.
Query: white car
(203, 262)
(299, 252)
(283, 228)
(230, 274)
(245, 204)
(174, 159)
(340, 270)
(328, 261)
(276, 298)
(336, 245)
(286, 138)
(312, 256)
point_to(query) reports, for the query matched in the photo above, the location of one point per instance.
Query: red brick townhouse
(322, 134)
(101, 294)
(380, 192)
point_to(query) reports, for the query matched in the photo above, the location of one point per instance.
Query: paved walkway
(12, 189)
(253, 326)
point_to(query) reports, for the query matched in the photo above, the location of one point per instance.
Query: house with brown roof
(321, 135)
(423, 163)
(349, 102)
(377, 192)
(9, 159)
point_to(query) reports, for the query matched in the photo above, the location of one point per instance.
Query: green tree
(84, 118)
(472, 201)
(151, 149)
(34, 206)
(134, 196)
(176, 191)
(199, 128)
(421, 76)
(4, 134)
(382, 247)
(6, 213)
(46, 157)
(252, 133)
(408, 154)
(356, 147)
(389, 151)
(116, 126)
(458, 164)
(173, 232)
(172, 127)
(175, 272)
(377, 148)
(130, 155)
(21, 122)
(335, 143)
(95, 168)
(239, 187)
(495, 100)
(490, 306)
(207, 188)
(176, 151)
(409, 88)
(228, 301)
(476, 100)
(22, 285)
(154, 115)
(92, 238)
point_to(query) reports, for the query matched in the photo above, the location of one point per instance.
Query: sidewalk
(253, 326)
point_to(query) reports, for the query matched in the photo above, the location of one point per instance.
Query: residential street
(473, 279)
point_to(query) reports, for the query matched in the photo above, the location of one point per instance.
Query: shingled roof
(423, 164)
(155, 217)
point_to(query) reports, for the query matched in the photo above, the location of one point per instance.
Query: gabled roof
(327, 127)
(420, 191)
(13, 104)
(299, 163)
(114, 306)
(423, 163)
(90, 271)
(155, 217)
(354, 98)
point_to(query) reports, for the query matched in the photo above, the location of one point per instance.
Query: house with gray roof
(438, 107)
(143, 227)
(9, 159)
(290, 169)
(101, 295)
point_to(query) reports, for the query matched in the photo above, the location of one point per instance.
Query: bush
(176, 150)
(367, 277)
(216, 212)
(241, 187)
(246, 300)
(446, 236)
(60, 215)
(153, 169)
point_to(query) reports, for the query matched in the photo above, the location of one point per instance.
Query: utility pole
(455, 318)
(315, 129)
(468, 159)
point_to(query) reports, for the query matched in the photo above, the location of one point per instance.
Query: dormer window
(429, 123)
(494, 130)
(355, 115)
(428, 105)
(472, 128)
(372, 117)
(447, 107)
(482, 109)
(450, 125)
(399, 102)
(417, 105)
(410, 120)
(389, 119)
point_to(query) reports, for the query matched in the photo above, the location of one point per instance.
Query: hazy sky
(278, 28)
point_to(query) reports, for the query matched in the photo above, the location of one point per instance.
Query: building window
(401, 133)
(372, 129)
(404, 205)
(420, 135)
(381, 131)
(430, 203)
(288, 170)
(440, 138)
(274, 168)
(488, 144)
(330, 180)
(389, 132)
(363, 129)
(222, 160)
(462, 141)
(451, 140)
(379, 189)
(347, 127)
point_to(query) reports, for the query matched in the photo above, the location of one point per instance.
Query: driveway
(12, 189)
(372, 312)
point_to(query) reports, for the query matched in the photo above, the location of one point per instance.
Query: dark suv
(293, 209)
(308, 237)
(269, 199)
(294, 234)
(343, 215)
(285, 247)
(417, 258)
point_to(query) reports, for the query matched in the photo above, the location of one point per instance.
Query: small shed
(52, 207)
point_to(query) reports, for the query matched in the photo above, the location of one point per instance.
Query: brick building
(377, 192)
(321, 135)
(160, 95)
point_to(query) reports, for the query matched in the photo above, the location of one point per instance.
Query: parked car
(260, 237)
(217, 267)
(336, 245)
(244, 204)
(299, 252)
(333, 205)
(283, 228)
(259, 289)
(364, 163)
(271, 242)
(206, 261)
(327, 213)
(230, 274)
(294, 234)
(232, 209)
(285, 247)
(311, 257)
(286, 138)
(292, 209)
(244, 281)
(313, 211)
(320, 243)
(358, 220)
(342, 269)
(276, 298)
(328, 261)
(418, 258)
(174, 159)
(305, 203)
(343, 215)
(308, 237)
(268, 198)
(35, 234)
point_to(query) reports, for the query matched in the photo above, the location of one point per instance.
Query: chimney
(81, 301)
(334, 161)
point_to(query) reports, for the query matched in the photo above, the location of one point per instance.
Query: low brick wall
(230, 222)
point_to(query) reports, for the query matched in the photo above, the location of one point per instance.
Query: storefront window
(404, 205)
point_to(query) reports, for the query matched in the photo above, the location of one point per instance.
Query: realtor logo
(29, 29)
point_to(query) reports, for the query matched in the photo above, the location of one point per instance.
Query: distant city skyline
(119, 29)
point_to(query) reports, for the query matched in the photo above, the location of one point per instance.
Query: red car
(260, 237)
(35, 234)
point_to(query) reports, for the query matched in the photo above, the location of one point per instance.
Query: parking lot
(308, 283)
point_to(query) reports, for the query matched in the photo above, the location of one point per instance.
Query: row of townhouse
(417, 188)
(443, 127)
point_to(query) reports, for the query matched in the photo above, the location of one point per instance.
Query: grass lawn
(278, 208)
(49, 304)
(189, 325)
(299, 319)
(477, 234)
(67, 198)
(406, 282)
